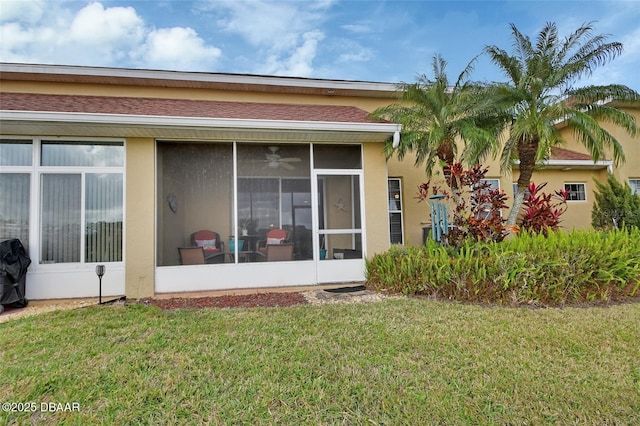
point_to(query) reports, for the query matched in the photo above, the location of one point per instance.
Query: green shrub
(561, 268)
(616, 206)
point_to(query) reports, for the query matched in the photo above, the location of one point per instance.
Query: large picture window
(79, 198)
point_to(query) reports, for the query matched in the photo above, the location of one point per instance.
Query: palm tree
(434, 114)
(540, 95)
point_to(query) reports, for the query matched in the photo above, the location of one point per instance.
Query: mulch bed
(270, 300)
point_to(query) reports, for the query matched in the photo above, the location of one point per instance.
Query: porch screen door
(338, 228)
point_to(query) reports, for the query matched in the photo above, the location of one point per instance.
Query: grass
(397, 362)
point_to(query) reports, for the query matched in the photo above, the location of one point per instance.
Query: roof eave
(571, 164)
(225, 81)
(173, 121)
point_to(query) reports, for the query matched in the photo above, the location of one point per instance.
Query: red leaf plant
(542, 211)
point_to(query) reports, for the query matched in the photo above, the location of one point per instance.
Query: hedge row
(563, 268)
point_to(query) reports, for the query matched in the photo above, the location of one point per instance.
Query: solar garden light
(100, 270)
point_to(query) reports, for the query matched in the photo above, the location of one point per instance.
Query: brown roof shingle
(182, 108)
(567, 154)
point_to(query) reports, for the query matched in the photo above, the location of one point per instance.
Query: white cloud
(95, 25)
(357, 28)
(178, 48)
(363, 55)
(21, 11)
(300, 62)
(52, 32)
(286, 34)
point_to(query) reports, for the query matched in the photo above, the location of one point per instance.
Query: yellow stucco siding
(140, 218)
(578, 214)
(375, 203)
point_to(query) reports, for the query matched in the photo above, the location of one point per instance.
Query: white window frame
(634, 183)
(584, 191)
(36, 170)
(398, 211)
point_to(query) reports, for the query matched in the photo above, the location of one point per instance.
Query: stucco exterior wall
(140, 218)
(375, 203)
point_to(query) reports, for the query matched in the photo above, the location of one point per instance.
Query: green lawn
(395, 362)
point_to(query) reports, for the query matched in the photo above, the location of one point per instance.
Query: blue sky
(384, 41)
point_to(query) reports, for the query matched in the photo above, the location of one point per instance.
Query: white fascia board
(574, 163)
(173, 121)
(603, 163)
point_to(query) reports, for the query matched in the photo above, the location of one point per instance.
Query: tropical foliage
(532, 269)
(616, 206)
(541, 93)
(477, 212)
(434, 114)
(542, 211)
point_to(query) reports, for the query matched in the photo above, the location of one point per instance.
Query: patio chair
(191, 255)
(211, 244)
(279, 252)
(274, 237)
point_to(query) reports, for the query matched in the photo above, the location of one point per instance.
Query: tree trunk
(446, 155)
(527, 154)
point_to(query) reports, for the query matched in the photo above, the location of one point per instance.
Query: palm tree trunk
(527, 154)
(446, 155)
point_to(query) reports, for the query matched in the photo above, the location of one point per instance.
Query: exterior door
(338, 235)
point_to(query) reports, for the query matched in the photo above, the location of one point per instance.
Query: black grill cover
(14, 263)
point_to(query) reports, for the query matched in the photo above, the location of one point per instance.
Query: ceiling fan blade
(291, 160)
(286, 166)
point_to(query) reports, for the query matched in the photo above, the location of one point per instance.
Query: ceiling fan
(275, 160)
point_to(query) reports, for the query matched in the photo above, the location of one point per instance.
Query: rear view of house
(181, 181)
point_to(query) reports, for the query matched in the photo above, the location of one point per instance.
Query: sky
(381, 41)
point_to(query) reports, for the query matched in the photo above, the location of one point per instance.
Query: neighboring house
(120, 167)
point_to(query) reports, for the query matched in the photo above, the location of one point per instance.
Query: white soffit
(121, 125)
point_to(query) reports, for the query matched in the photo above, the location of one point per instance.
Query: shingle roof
(182, 108)
(567, 154)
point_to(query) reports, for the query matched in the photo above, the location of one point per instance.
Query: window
(515, 190)
(15, 189)
(79, 198)
(485, 210)
(635, 186)
(82, 195)
(577, 191)
(395, 210)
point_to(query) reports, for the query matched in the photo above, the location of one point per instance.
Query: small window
(485, 210)
(394, 195)
(83, 154)
(635, 186)
(577, 191)
(515, 190)
(15, 152)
